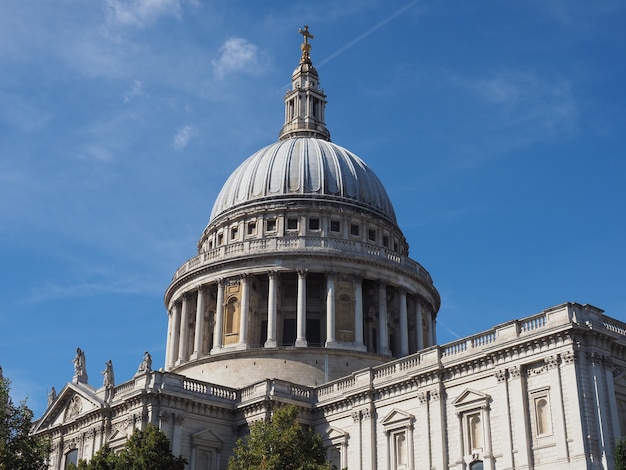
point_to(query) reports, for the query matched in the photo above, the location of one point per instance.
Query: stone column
(431, 326)
(602, 420)
(423, 431)
(169, 348)
(502, 390)
(404, 324)
(382, 320)
(245, 307)
(355, 449)
(271, 311)
(218, 333)
(358, 313)
(519, 418)
(199, 333)
(438, 426)
(556, 402)
(419, 319)
(301, 312)
(330, 309)
(183, 353)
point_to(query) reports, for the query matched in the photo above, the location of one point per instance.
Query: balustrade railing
(267, 245)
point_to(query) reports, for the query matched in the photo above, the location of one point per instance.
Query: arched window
(476, 465)
(71, 458)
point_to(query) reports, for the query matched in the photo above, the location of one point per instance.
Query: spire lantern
(305, 103)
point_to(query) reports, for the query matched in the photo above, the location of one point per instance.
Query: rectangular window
(475, 431)
(270, 225)
(385, 240)
(354, 229)
(543, 417)
(314, 223)
(234, 232)
(292, 223)
(220, 239)
(251, 228)
(335, 226)
(400, 451)
(371, 234)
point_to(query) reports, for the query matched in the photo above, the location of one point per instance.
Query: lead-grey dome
(304, 168)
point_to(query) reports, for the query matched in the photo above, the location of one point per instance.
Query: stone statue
(52, 396)
(109, 379)
(80, 368)
(146, 364)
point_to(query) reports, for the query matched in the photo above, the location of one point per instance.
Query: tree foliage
(279, 444)
(147, 449)
(620, 454)
(19, 449)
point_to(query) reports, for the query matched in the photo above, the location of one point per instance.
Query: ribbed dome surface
(304, 167)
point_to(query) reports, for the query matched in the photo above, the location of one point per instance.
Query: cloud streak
(141, 12)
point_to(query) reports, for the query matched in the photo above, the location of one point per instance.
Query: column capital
(302, 272)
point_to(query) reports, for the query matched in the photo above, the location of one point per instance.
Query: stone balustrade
(296, 244)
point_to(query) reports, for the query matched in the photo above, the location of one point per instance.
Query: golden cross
(305, 33)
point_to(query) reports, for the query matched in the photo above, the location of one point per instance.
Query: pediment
(335, 436)
(398, 418)
(471, 397)
(73, 401)
(207, 438)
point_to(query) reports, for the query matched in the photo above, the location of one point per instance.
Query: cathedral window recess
(335, 226)
(385, 241)
(292, 223)
(472, 410)
(336, 444)
(542, 414)
(234, 233)
(251, 228)
(71, 458)
(398, 427)
(270, 225)
(354, 229)
(314, 223)
(371, 234)
(206, 449)
(220, 239)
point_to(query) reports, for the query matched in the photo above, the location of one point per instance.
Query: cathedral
(302, 292)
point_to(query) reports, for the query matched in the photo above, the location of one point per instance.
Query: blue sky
(498, 129)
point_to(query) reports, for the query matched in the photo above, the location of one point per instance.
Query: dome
(304, 168)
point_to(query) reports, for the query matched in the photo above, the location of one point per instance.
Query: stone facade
(547, 392)
(302, 292)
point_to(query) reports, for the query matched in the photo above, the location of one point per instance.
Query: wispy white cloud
(548, 105)
(183, 137)
(236, 55)
(141, 12)
(136, 90)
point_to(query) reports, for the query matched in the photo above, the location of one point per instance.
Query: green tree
(104, 459)
(279, 444)
(19, 449)
(147, 449)
(620, 454)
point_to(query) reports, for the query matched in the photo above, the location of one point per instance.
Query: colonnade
(187, 335)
